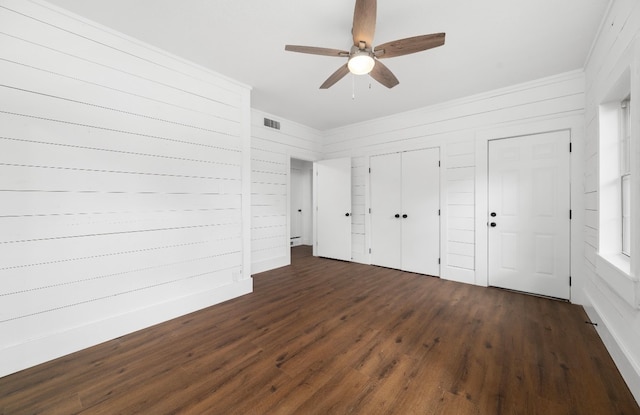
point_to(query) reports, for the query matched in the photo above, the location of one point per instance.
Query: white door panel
(333, 209)
(386, 207)
(420, 207)
(529, 193)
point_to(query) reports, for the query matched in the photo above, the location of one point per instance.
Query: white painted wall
(124, 185)
(271, 153)
(461, 129)
(612, 299)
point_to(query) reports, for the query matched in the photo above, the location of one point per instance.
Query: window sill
(615, 270)
(620, 261)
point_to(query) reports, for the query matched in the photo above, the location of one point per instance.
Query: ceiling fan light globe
(361, 64)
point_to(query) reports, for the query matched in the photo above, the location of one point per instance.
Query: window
(625, 174)
(616, 164)
(614, 191)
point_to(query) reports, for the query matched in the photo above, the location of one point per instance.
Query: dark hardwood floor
(329, 337)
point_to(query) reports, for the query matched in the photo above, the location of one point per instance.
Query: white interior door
(333, 208)
(296, 202)
(386, 210)
(529, 208)
(421, 211)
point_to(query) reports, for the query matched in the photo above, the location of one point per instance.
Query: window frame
(625, 176)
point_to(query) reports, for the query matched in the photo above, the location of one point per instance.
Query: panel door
(386, 210)
(333, 208)
(529, 207)
(420, 216)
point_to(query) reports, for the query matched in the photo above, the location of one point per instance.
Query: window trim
(609, 186)
(625, 214)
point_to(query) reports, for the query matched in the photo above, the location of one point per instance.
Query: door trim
(575, 125)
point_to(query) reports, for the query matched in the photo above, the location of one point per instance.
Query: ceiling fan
(363, 57)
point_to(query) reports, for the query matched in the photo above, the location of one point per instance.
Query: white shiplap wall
(359, 179)
(457, 128)
(121, 185)
(612, 299)
(458, 211)
(271, 154)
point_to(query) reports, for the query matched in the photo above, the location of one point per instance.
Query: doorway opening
(300, 204)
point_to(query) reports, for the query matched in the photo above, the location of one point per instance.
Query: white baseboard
(361, 258)
(22, 356)
(628, 369)
(269, 264)
(458, 275)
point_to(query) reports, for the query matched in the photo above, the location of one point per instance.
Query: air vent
(271, 123)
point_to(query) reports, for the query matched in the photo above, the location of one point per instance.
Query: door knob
(397, 215)
(404, 216)
(299, 210)
(347, 214)
(493, 224)
(493, 214)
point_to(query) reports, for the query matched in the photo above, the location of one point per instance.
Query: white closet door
(405, 203)
(529, 225)
(333, 208)
(386, 193)
(420, 211)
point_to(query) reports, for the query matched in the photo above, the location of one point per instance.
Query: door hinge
(438, 212)
(369, 210)
(570, 147)
(438, 261)
(369, 169)
(569, 280)
(369, 250)
(570, 214)
(438, 163)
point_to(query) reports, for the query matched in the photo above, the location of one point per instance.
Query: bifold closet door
(405, 221)
(386, 207)
(421, 211)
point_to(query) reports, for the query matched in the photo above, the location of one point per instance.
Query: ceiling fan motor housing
(361, 60)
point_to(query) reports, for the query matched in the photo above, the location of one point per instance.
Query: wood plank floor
(329, 337)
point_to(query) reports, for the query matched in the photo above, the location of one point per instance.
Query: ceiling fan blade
(409, 45)
(364, 22)
(335, 77)
(383, 75)
(316, 51)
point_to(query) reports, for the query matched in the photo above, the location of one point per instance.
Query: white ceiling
(489, 44)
